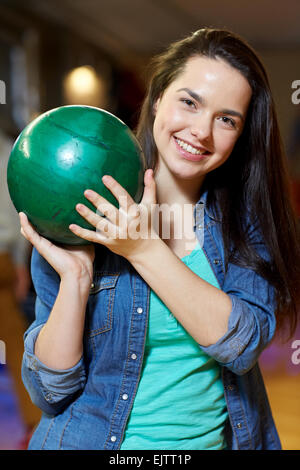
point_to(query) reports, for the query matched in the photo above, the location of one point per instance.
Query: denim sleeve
(252, 322)
(49, 389)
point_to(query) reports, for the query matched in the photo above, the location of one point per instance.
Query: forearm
(202, 309)
(60, 342)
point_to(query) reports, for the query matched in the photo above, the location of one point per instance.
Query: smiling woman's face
(200, 116)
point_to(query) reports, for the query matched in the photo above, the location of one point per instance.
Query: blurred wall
(36, 55)
(283, 67)
(50, 51)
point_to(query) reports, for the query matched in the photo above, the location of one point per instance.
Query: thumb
(149, 196)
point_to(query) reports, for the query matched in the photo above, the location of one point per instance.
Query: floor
(284, 396)
(11, 426)
(280, 366)
(281, 371)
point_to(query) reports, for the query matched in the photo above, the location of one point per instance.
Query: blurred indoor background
(95, 52)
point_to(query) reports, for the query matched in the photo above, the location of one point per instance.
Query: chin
(186, 175)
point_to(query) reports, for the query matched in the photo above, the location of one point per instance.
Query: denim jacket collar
(201, 206)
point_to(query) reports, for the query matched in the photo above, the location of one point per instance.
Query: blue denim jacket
(87, 406)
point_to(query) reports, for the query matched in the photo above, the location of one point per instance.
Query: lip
(189, 156)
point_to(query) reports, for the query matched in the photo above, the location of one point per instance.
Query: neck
(173, 192)
(171, 189)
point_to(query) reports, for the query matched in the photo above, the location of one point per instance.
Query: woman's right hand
(68, 260)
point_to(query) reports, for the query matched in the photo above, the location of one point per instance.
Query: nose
(201, 127)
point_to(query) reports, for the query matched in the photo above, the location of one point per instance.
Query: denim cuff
(59, 382)
(241, 327)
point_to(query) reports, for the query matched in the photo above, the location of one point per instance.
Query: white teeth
(189, 148)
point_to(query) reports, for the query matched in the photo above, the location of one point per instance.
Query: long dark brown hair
(254, 180)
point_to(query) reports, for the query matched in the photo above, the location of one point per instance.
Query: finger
(149, 195)
(104, 226)
(87, 214)
(102, 205)
(89, 235)
(23, 233)
(27, 230)
(101, 224)
(105, 230)
(122, 196)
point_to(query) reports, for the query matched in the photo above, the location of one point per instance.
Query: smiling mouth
(190, 148)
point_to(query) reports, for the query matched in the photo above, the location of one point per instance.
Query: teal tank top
(180, 401)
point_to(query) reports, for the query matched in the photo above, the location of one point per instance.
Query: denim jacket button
(133, 356)
(125, 396)
(113, 438)
(239, 425)
(216, 261)
(139, 310)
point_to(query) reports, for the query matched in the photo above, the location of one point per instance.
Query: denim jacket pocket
(101, 303)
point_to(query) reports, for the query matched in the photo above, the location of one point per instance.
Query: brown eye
(230, 122)
(188, 102)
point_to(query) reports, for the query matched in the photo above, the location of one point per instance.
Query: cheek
(177, 120)
(225, 143)
(168, 119)
(156, 131)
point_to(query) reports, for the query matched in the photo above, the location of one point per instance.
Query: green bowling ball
(62, 153)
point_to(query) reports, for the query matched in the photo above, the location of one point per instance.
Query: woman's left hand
(127, 230)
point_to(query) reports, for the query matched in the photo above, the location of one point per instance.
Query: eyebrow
(201, 100)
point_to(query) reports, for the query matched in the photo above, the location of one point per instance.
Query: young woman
(152, 342)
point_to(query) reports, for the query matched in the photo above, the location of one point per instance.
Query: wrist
(80, 280)
(145, 251)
